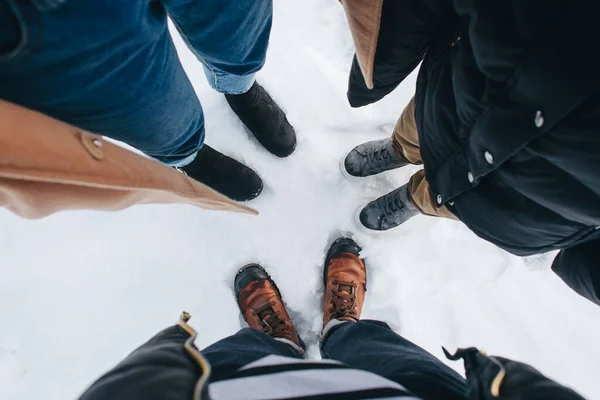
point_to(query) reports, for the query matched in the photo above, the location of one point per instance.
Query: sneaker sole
(345, 173)
(363, 228)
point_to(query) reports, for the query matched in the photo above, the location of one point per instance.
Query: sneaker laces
(272, 325)
(391, 204)
(379, 157)
(343, 299)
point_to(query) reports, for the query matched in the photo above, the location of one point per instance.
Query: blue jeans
(368, 345)
(111, 67)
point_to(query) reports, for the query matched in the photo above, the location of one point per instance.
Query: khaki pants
(406, 143)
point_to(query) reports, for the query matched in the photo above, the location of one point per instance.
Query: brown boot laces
(343, 301)
(272, 325)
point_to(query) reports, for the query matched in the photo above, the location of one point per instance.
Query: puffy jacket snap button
(470, 177)
(439, 199)
(488, 157)
(539, 119)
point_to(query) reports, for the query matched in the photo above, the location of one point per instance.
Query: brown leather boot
(345, 278)
(262, 307)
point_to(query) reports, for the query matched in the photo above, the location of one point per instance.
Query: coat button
(488, 157)
(439, 199)
(92, 143)
(539, 119)
(470, 177)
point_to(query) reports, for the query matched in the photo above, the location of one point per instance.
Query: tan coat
(364, 19)
(48, 166)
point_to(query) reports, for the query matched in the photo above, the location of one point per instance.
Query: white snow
(80, 290)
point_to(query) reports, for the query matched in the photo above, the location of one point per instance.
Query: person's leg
(271, 329)
(373, 346)
(375, 157)
(230, 38)
(125, 82)
(422, 197)
(406, 143)
(405, 137)
(398, 206)
(260, 303)
(246, 346)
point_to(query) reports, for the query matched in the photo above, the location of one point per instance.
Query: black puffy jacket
(165, 368)
(508, 114)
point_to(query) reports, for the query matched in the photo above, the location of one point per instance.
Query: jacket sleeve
(47, 166)
(522, 381)
(497, 378)
(406, 30)
(159, 369)
(579, 267)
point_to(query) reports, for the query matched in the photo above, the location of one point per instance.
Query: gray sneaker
(371, 158)
(388, 211)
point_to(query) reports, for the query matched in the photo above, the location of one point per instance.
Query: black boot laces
(272, 325)
(343, 300)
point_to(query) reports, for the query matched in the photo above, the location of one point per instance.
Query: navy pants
(368, 345)
(110, 66)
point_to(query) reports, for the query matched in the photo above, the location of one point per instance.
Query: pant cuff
(183, 162)
(227, 83)
(327, 329)
(293, 345)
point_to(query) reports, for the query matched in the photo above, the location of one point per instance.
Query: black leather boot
(224, 174)
(265, 119)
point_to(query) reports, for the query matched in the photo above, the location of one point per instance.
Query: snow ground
(80, 290)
